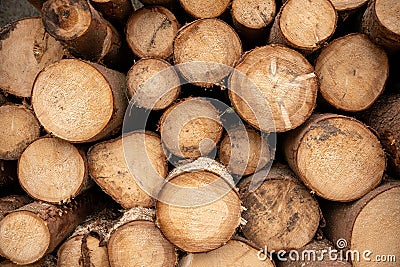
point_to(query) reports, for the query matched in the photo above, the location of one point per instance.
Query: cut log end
(153, 84)
(280, 213)
(337, 157)
(352, 72)
(387, 12)
(66, 20)
(253, 14)
(227, 255)
(75, 100)
(24, 237)
(274, 88)
(347, 5)
(18, 128)
(195, 228)
(45, 164)
(82, 251)
(206, 40)
(194, 134)
(205, 9)
(244, 151)
(368, 227)
(150, 32)
(140, 243)
(122, 167)
(304, 24)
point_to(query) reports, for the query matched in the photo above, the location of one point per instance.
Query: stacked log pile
(201, 133)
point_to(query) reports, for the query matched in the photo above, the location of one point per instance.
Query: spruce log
(251, 17)
(205, 9)
(150, 32)
(352, 72)
(314, 254)
(12, 202)
(8, 173)
(153, 84)
(116, 11)
(167, 3)
(82, 251)
(36, 50)
(304, 24)
(48, 261)
(280, 213)
(234, 253)
(53, 170)
(244, 151)
(191, 128)
(122, 175)
(18, 128)
(199, 208)
(32, 231)
(210, 41)
(274, 88)
(137, 241)
(384, 118)
(344, 6)
(79, 101)
(363, 223)
(83, 30)
(338, 157)
(381, 23)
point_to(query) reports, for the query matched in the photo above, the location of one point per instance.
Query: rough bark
(384, 118)
(84, 31)
(12, 202)
(381, 23)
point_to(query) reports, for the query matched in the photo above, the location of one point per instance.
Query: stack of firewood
(201, 133)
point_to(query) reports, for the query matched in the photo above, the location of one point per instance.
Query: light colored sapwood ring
(346, 5)
(387, 13)
(205, 9)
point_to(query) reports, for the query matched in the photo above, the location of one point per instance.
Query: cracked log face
(150, 32)
(338, 157)
(82, 251)
(281, 213)
(279, 90)
(352, 72)
(35, 50)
